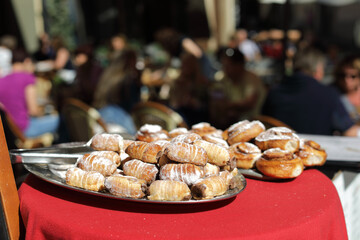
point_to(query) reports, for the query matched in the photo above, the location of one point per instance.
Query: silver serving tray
(50, 164)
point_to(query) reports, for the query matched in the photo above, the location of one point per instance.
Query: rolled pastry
(186, 153)
(126, 186)
(312, 154)
(113, 156)
(91, 180)
(187, 173)
(144, 151)
(216, 154)
(278, 137)
(96, 163)
(245, 154)
(141, 170)
(209, 187)
(169, 190)
(107, 142)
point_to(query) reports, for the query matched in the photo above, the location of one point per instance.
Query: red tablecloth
(305, 208)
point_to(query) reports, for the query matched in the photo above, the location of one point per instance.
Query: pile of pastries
(197, 163)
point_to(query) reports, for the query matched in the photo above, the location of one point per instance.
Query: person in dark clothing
(305, 104)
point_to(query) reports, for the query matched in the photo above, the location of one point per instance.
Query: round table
(307, 207)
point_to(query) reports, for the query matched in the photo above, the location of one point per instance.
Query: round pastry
(244, 131)
(214, 138)
(245, 154)
(279, 163)
(177, 131)
(202, 128)
(187, 138)
(312, 154)
(151, 132)
(278, 137)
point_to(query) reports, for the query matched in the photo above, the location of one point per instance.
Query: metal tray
(50, 164)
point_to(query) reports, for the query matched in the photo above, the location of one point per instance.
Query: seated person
(347, 82)
(18, 96)
(307, 105)
(239, 94)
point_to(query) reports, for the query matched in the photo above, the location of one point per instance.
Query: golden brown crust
(187, 173)
(244, 131)
(89, 180)
(209, 187)
(312, 154)
(141, 170)
(151, 132)
(126, 186)
(211, 170)
(186, 153)
(113, 156)
(288, 167)
(186, 137)
(278, 137)
(203, 128)
(107, 142)
(216, 154)
(245, 154)
(169, 190)
(144, 151)
(99, 164)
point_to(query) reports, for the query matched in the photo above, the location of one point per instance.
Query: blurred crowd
(312, 87)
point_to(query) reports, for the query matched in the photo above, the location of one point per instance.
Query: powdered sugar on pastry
(150, 128)
(187, 173)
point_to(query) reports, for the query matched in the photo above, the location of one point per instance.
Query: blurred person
(19, 98)
(239, 94)
(176, 44)
(45, 51)
(305, 104)
(347, 82)
(88, 72)
(188, 93)
(247, 46)
(7, 44)
(119, 90)
(118, 43)
(62, 55)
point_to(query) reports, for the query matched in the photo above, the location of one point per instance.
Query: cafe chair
(270, 122)
(9, 217)
(82, 121)
(156, 113)
(20, 140)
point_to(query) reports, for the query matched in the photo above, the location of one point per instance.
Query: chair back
(156, 113)
(270, 122)
(9, 218)
(82, 121)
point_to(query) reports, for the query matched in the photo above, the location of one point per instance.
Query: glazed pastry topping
(246, 147)
(186, 137)
(277, 154)
(276, 133)
(89, 180)
(187, 173)
(150, 128)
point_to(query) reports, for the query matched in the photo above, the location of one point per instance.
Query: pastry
(141, 170)
(211, 170)
(186, 153)
(178, 131)
(245, 154)
(312, 154)
(187, 173)
(99, 164)
(107, 142)
(216, 154)
(186, 138)
(217, 139)
(144, 151)
(89, 180)
(280, 163)
(278, 137)
(113, 156)
(126, 186)
(169, 190)
(202, 128)
(243, 131)
(151, 132)
(209, 187)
